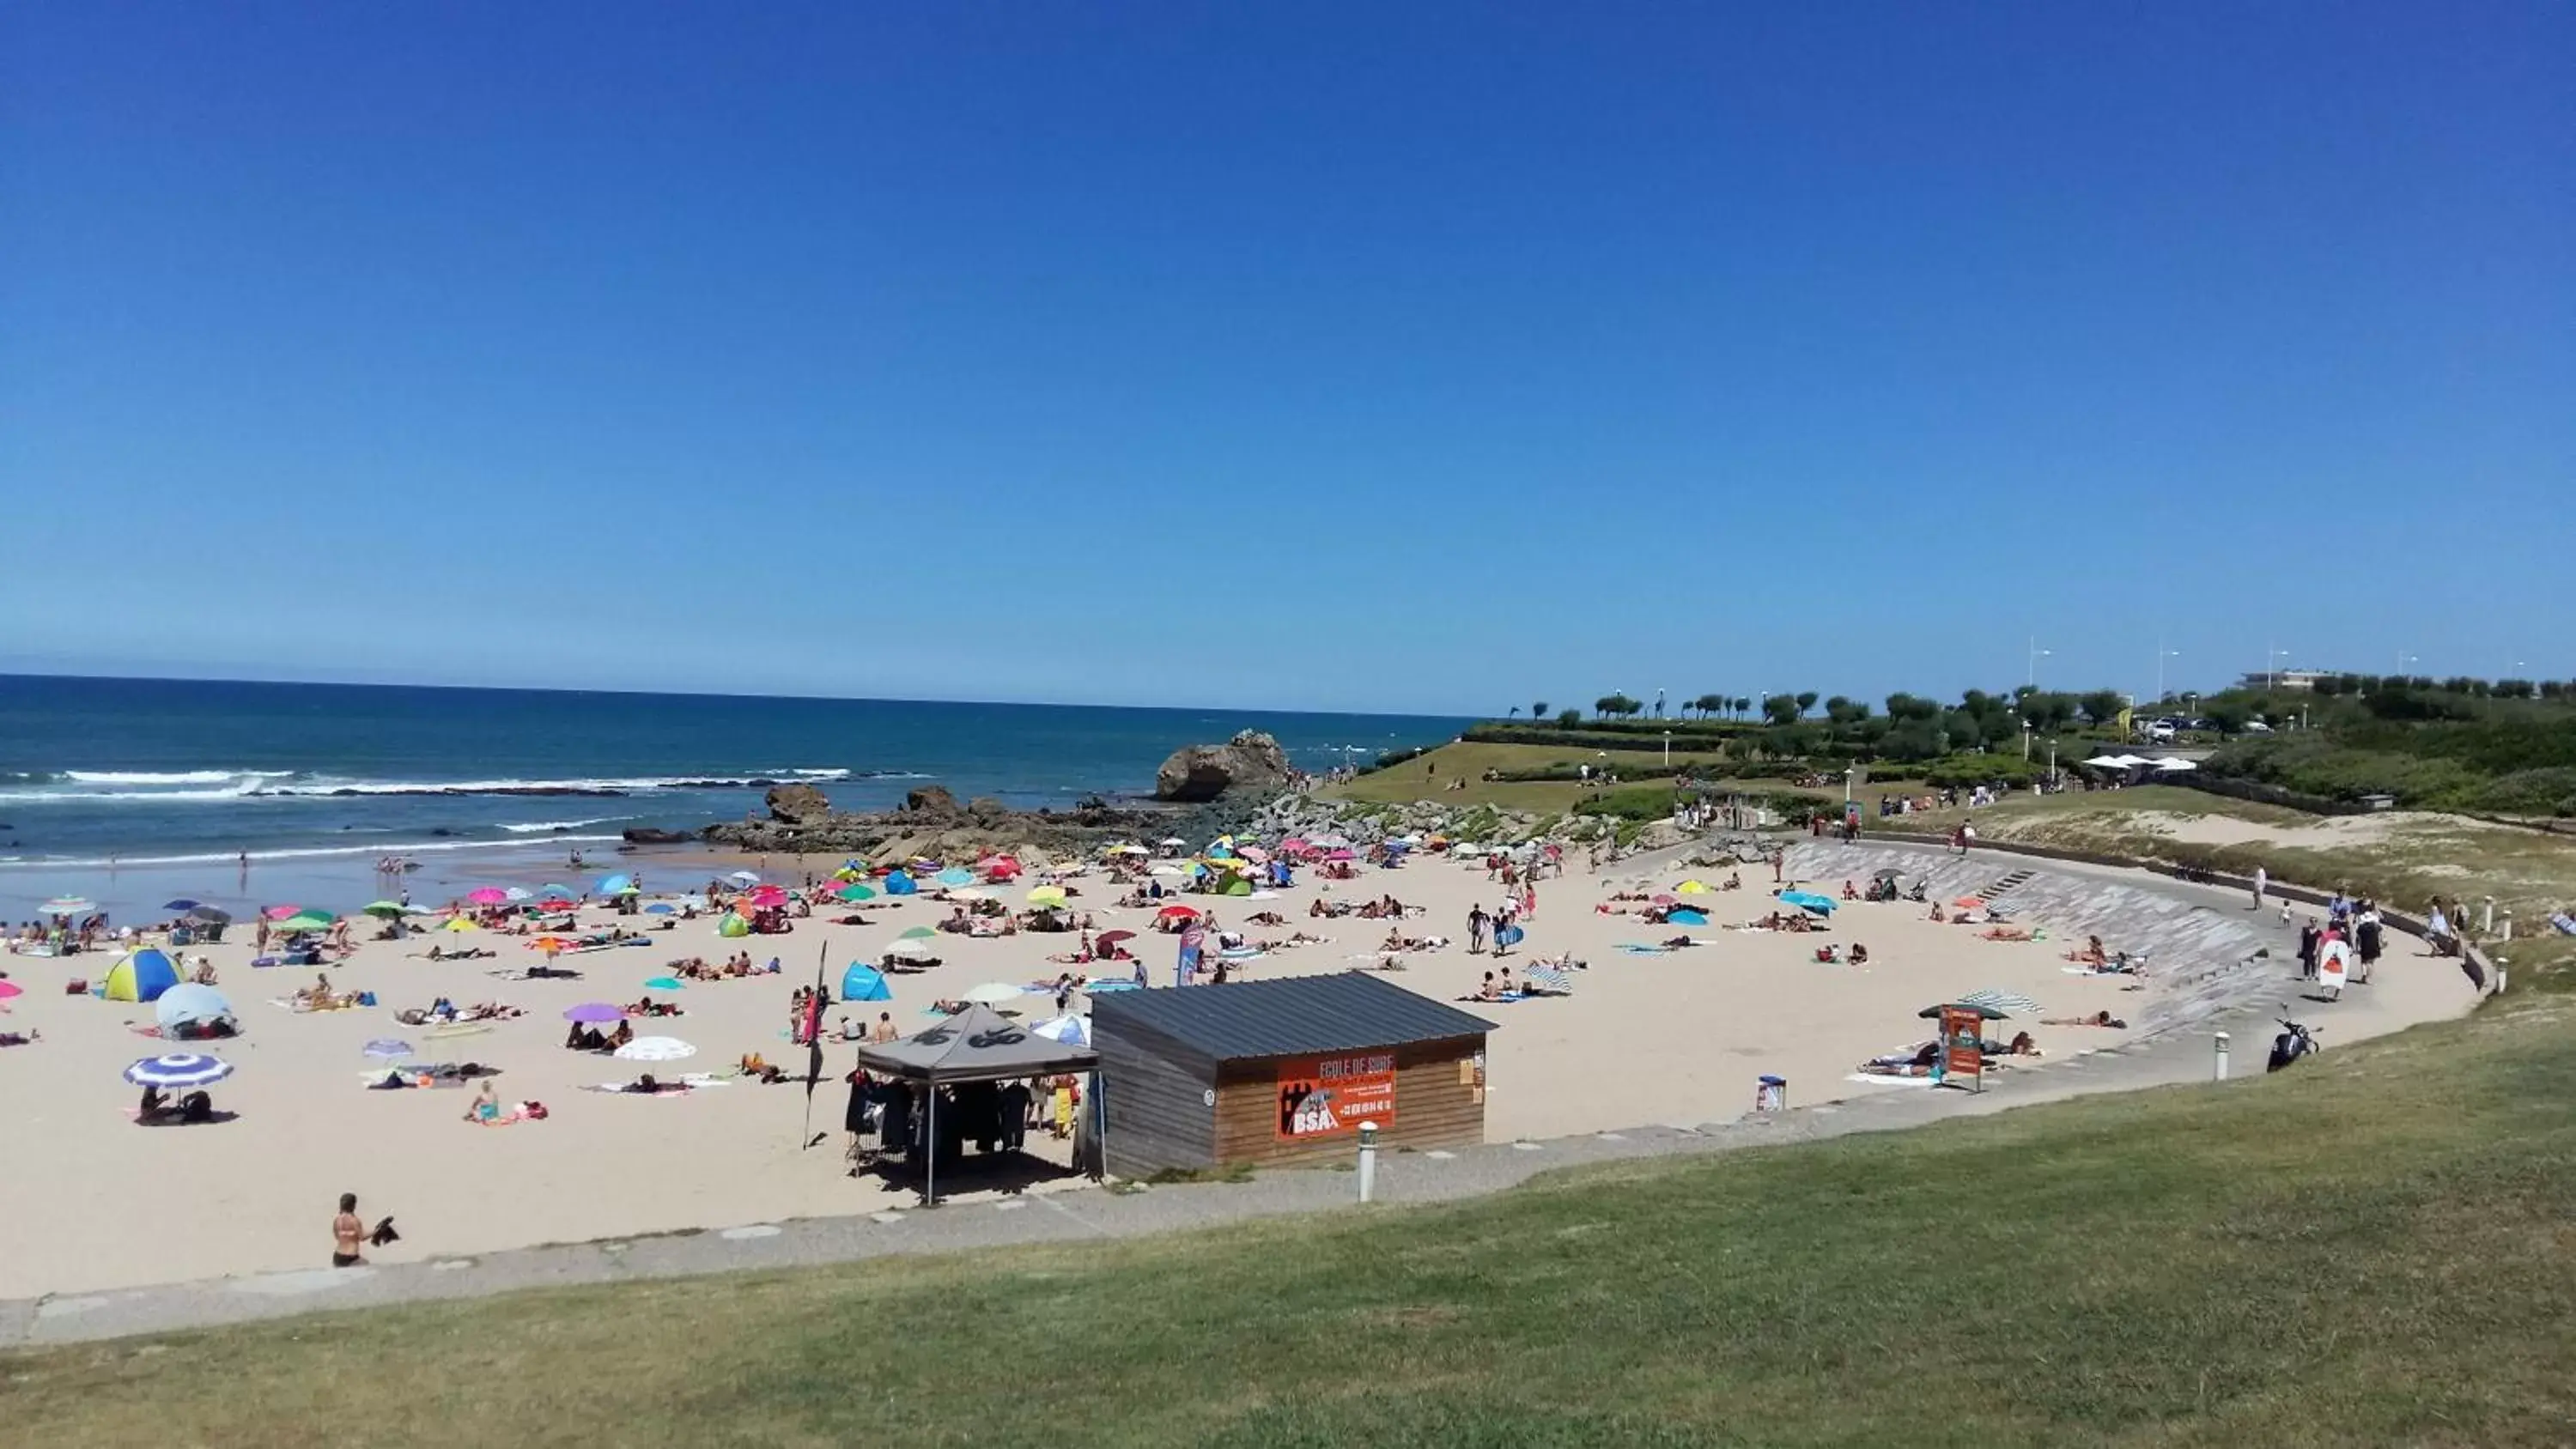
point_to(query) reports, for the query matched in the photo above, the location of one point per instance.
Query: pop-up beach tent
(863, 982)
(978, 1044)
(142, 976)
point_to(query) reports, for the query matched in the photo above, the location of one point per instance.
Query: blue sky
(1410, 357)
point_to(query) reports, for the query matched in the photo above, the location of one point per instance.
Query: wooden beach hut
(1283, 1072)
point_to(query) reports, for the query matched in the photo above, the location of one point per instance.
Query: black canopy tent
(978, 1044)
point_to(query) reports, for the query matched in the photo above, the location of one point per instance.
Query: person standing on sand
(2262, 878)
(1476, 930)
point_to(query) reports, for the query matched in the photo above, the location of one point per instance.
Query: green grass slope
(2377, 1248)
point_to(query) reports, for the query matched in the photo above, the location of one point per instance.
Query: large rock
(797, 804)
(1251, 760)
(930, 800)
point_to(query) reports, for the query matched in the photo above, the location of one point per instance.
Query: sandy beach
(1673, 1037)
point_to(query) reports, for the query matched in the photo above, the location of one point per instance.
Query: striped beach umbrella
(69, 906)
(656, 1049)
(179, 1069)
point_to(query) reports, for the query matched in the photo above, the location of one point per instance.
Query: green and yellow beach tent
(142, 976)
(733, 927)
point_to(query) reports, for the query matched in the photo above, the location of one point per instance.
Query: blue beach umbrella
(179, 1069)
(1809, 900)
(1688, 918)
(181, 904)
(899, 884)
(956, 875)
(614, 885)
(661, 908)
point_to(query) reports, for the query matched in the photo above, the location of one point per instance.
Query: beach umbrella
(307, 920)
(917, 933)
(1068, 1029)
(1169, 870)
(11, 988)
(899, 884)
(595, 1011)
(614, 885)
(385, 1048)
(1546, 978)
(1687, 917)
(1693, 887)
(1339, 853)
(1255, 854)
(915, 950)
(69, 906)
(993, 993)
(384, 910)
(457, 923)
(656, 1049)
(856, 891)
(1177, 913)
(862, 982)
(661, 908)
(1809, 901)
(744, 876)
(768, 898)
(1666, 899)
(181, 904)
(188, 1003)
(487, 895)
(552, 943)
(1112, 938)
(663, 983)
(1984, 1012)
(2000, 999)
(733, 927)
(178, 1069)
(516, 894)
(850, 870)
(1047, 895)
(956, 875)
(556, 905)
(141, 976)
(211, 915)
(1127, 850)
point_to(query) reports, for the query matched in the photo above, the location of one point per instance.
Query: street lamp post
(2272, 677)
(1668, 747)
(2163, 654)
(2030, 676)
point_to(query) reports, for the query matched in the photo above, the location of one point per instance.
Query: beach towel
(1876, 1080)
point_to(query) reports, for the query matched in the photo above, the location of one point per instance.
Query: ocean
(118, 788)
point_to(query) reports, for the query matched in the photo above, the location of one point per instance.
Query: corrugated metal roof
(1294, 1016)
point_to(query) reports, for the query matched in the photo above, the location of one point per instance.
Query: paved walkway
(2180, 1052)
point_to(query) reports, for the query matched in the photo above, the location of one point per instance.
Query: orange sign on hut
(1324, 1096)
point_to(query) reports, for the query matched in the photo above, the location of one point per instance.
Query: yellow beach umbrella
(1693, 887)
(1047, 895)
(457, 923)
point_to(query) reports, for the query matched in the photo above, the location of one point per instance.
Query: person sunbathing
(1677, 942)
(2099, 1018)
(1915, 1062)
(625, 1033)
(2002, 932)
(2091, 955)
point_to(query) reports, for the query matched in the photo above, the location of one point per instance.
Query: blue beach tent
(864, 983)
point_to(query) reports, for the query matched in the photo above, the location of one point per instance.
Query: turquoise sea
(122, 789)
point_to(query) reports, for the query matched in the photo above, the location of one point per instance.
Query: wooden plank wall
(1158, 1114)
(1433, 1108)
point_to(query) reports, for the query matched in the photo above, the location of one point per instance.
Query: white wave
(165, 777)
(539, 827)
(834, 774)
(625, 783)
(243, 790)
(226, 857)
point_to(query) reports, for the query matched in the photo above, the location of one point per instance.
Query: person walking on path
(1476, 919)
(2262, 878)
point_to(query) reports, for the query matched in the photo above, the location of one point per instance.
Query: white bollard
(2218, 1065)
(1368, 1160)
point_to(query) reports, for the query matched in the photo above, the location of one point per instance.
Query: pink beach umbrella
(768, 896)
(487, 895)
(280, 913)
(9, 989)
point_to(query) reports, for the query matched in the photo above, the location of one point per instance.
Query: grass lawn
(2373, 1249)
(1409, 782)
(2403, 857)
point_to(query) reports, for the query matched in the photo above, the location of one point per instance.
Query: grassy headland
(2371, 1249)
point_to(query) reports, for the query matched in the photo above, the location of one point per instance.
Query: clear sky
(1419, 356)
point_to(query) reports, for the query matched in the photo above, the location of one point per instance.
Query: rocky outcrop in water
(796, 804)
(1198, 773)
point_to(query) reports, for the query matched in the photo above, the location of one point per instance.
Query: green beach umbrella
(386, 909)
(307, 920)
(917, 933)
(856, 892)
